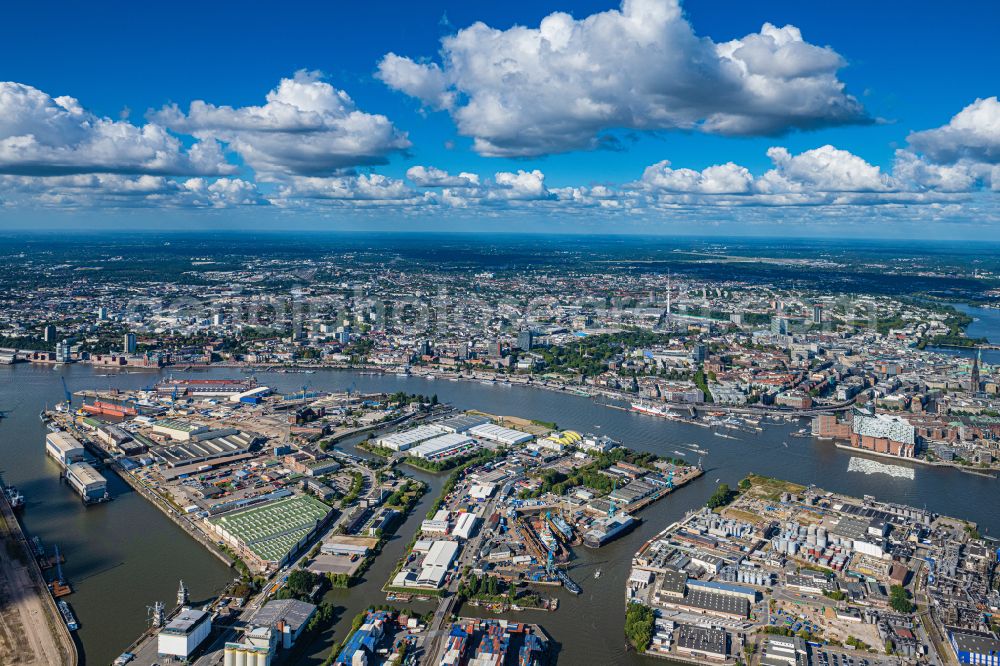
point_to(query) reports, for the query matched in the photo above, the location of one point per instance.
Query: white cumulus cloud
(306, 127)
(558, 87)
(41, 135)
(726, 178)
(422, 176)
(972, 134)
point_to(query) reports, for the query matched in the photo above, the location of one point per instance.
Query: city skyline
(651, 117)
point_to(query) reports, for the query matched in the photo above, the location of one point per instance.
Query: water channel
(123, 556)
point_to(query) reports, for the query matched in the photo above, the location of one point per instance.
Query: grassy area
(772, 488)
(375, 450)
(745, 516)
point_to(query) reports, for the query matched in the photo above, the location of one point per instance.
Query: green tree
(639, 626)
(899, 599)
(723, 495)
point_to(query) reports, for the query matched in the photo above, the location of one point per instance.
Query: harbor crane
(182, 595)
(156, 614)
(67, 393)
(612, 506)
(59, 571)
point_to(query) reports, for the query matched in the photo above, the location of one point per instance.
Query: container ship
(608, 529)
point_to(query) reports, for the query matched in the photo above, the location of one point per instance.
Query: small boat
(597, 574)
(15, 497)
(719, 479)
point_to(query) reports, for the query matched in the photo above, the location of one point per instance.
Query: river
(124, 555)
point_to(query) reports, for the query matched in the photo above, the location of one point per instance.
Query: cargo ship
(67, 615)
(105, 408)
(608, 529)
(568, 582)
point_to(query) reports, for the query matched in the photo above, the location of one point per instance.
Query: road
(437, 630)
(939, 646)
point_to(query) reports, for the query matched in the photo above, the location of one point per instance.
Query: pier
(32, 632)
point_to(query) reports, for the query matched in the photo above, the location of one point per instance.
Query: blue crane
(67, 392)
(59, 573)
(612, 507)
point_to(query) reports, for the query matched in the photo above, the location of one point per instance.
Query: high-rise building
(779, 326)
(64, 351)
(129, 346)
(817, 314)
(525, 339)
(974, 383)
(218, 319)
(50, 333)
(102, 313)
(699, 353)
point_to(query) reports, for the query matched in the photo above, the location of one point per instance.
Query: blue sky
(873, 73)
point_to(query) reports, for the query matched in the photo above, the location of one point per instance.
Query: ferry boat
(68, 616)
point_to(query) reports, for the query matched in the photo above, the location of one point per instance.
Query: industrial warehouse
(267, 535)
(786, 559)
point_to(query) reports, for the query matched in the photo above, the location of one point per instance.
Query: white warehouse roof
(500, 434)
(401, 441)
(465, 525)
(441, 446)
